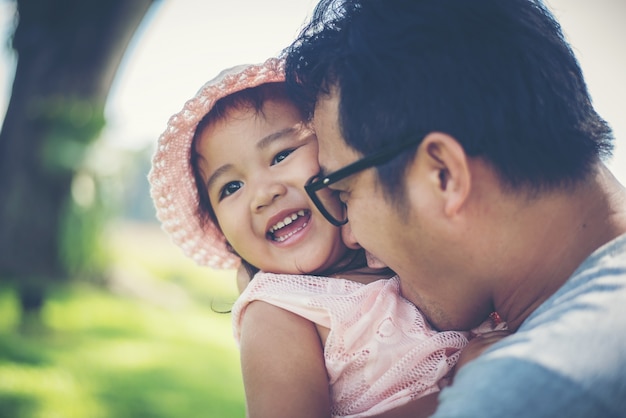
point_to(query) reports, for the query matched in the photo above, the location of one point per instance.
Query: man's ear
(445, 167)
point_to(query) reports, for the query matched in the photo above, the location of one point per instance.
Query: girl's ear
(441, 162)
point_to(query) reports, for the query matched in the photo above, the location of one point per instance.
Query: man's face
(414, 240)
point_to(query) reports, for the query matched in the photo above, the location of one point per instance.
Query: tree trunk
(68, 53)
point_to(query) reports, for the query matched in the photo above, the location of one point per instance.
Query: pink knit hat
(172, 184)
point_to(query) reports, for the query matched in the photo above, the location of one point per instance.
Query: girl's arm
(282, 361)
(419, 408)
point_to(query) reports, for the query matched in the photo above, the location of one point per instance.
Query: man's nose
(348, 238)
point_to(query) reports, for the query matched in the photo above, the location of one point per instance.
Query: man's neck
(558, 232)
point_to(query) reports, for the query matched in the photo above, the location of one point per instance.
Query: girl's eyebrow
(263, 143)
(267, 140)
(217, 174)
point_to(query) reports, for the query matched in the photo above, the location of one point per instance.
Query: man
(459, 139)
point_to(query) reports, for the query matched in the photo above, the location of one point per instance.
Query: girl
(321, 335)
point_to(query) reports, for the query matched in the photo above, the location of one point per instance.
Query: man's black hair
(497, 75)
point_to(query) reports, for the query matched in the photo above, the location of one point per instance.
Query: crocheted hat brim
(172, 186)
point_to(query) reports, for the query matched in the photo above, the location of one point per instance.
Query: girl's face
(255, 166)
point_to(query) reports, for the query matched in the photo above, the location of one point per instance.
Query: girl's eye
(281, 156)
(230, 188)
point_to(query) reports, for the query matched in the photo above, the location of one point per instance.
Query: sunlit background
(183, 43)
(153, 344)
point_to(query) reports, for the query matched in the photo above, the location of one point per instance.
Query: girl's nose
(265, 195)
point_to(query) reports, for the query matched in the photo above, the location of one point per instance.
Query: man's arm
(477, 345)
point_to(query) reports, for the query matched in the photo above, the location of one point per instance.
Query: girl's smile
(289, 225)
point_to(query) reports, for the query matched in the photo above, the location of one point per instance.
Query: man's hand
(478, 345)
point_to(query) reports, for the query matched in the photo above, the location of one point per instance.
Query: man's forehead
(333, 151)
(326, 110)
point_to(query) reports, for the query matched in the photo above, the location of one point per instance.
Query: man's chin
(373, 262)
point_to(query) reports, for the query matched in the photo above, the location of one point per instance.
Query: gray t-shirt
(568, 359)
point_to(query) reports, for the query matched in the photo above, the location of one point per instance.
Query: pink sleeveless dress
(380, 352)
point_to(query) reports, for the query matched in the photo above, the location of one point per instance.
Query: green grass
(153, 348)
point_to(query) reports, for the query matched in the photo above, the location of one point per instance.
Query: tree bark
(68, 53)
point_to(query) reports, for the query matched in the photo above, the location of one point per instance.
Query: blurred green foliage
(71, 124)
(70, 146)
(149, 344)
(80, 245)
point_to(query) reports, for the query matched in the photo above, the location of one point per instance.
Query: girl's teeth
(284, 237)
(286, 221)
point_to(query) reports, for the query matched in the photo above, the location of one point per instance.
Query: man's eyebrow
(217, 174)
(267, 140)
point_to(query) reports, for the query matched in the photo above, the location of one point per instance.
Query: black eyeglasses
(327, 200)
